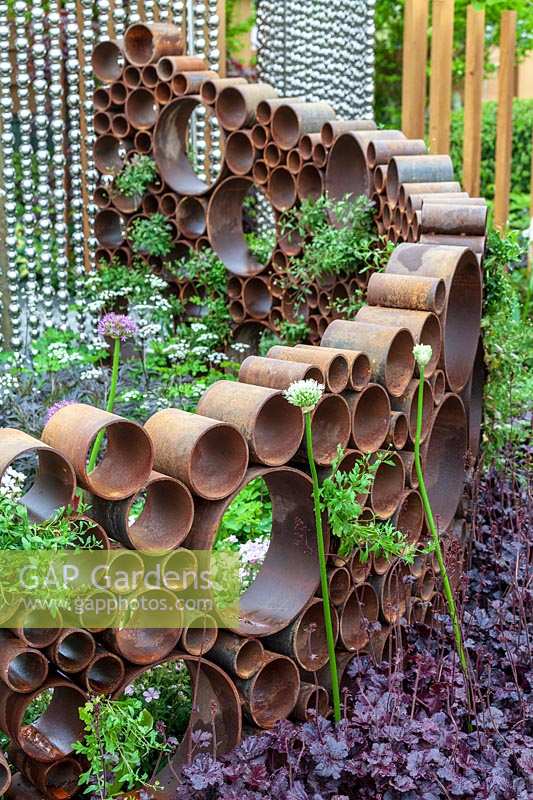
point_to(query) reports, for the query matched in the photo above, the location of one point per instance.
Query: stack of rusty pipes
(273, 663)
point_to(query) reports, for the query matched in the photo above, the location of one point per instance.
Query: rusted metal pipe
(393, 592)
(146, 44)
(127, 461)
(22, 668)
(168, 66)
(272, 427)
(260, 136)
(256, 297)
(473, 400)
(144, 645)
(417, 169)
(440, 187)
(240, 656)
(5, 775)
(141, 108)
(54, 483)
(331, 424)
(307, 143)
(347, 171)
(456, 220)
(271, 694)
(191, 82)
(359, 611)
(408, 459)
(389, 349)
(304, 640)
(333, 364)
(408, 403)
(200, 635)
(415, 292)
(57, 781)
(387, 487)
(291, 121)
(370, 414)
(281, 187)
(120, 126)
(277, 373)
(108, 60)
(104, 674)
(358, 365)
(109, 227)
(333, 128)
(398, 430)
(163, 93)
(191, 216)
(149, 76)
(409, 517)
(212, 87)
(208, 456)
(294, 161)
(240, 152)
(236, 105)
(310, 182)
(110, 153)
(102, 122)
(312, 699)
(266, 108)
(73, 650)
(413, 202)
(340, 583)
(260, 172)
(143, 144)
(132, 77)
(381, 151)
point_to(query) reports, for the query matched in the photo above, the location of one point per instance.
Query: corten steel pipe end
(413, 202)
(272, 692)
(408, 189)
(225, 227)
(385, 644)
(398, 430)
(108, 60)
(387, 487)
(380, 183)
(282, 188)
(393, 592)
(212, 87)
(277, 373)
(256, 297)
(347, 172)
(57, 781)
(389, 349)
(240, 152)
(143, 144)
(454, 219)
(272, 427)
(242, 657)
(145, 44)
(104, 674)
(142, 645)
(417, 169)
(109, 228)
(380, 151)
(304, 640)
(370, 414)
(460, 320)
(260, 172)
(360, 569)
(409, 517)
(291, 560)
(164, 522)
(438, 386)
(191, 217)
(340, 583)
(331, 426)
(168, 204)
(141, 109)
(52, 735)
(266, 108)
(163, 93)
(408, 459)
(168, 66)
(110, 154)
(126, 462)
(408, 404)
(358, 364)
(346, 464)
(272, 155)
(473, 399)
(209, 457)
(236, 106)
(415, 292)
(312, 700)
(291, 121)
(149, 76)
(199, 638)
(132, 77)
(424, 327)
(73, 650)
(22, 668)
(360, 609)
(102, 122)
(444, 458)
(333, 364)
(310, 182)
(330, 130)
(5, 775)
(54, 483)
(294, 161)
(190, 81)
(425, 586)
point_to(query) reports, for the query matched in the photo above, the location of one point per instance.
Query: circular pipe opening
(330, 426)
(218, 462)
(141, 109)
(410, 516)
(256, 297)
(105, 674)
(285, 127)
(249, 656)
(310, 183)
(166, 518)
(75, 651)
(282, 189)
(400, 363)
(107, 61)
(239, 152)
(132, 77)
(337, 374)
(53, 734)
(109, 154)
(277, 432)
(274, 692)
(387, 487)
(191, 217)
(462, 321)
(27, 671)
(346, 173)
(370, 418)
(139, 44)
(360, 610)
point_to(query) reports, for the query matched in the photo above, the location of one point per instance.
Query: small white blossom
(304, 394)
(12, 483)
(422, 354)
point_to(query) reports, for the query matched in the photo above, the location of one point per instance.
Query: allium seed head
(304, 394)
(422, 354)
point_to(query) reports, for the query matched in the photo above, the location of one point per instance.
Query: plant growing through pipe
(306, 394)
(151, 236)
(119, 328)
(423, 354)
(136, 176)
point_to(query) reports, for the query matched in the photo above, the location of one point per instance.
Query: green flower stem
(448, 593)
(109, 406)
(335, 691)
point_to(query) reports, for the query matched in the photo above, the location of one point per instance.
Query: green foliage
(235, 30)
(151, 236)
(290, 333)
(136, 176)
(340, 496)
(261, 245)
(249, 515)
(18, 532)
(508, 343)
(119, 736)
(204, 269)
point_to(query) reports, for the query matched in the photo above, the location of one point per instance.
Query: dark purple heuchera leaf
(204, 772)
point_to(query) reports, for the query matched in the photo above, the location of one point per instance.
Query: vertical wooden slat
(221, 11)
(504, 124)
(111, 21)
(475, 34)
(440, 86)
(415, 52)
(83, 144)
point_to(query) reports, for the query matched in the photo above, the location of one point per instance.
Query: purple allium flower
(151, 694)
(56, 407)
(117, 326)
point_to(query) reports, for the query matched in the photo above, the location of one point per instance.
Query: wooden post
(221, 11)
(504, 124)
(475, 34)
(440, 86)
(415, 52)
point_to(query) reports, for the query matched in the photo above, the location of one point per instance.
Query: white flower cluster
(91, 374)
(58, 351)
(422, 354)
(12, 483)
(240, 347)
(304, 394)
(177, 351)
(9, 384)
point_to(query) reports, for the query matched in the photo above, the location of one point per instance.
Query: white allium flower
(422, 354)
(304, 394)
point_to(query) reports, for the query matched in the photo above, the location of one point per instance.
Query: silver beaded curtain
(320, 50)
(47, 174)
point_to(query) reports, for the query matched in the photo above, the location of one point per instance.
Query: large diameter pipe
(333, 364)
(347, 173)
(331, 427)
(141, 109)
(409, 517)
(358, 613)
(277, 373)
(358, 365)
(389, 349)
(304, 640)
(417, 169)
(109, 228)
(424, 326)
(236, 105)
(54, 483)
(333, 128)
(415, 292)
(291, 121)
(272, 692)
(208, 456)
(57, 781)
(127, 460)
(370, 413)
(456, 220)
(381, 151)
(272, 427)
(146, 44)
(164, 522)
(461, 318)
(291, 561)
(108, 60)
(310, 182)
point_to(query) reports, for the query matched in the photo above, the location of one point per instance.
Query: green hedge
(521, 159)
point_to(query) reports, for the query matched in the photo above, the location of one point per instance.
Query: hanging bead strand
(119, 19)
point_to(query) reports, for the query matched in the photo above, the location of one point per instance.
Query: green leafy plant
(204, 269)
(235, 29)
(341, 496)
(290, 333)
(151, 236)
(119, 735)
(261, 245)
(136, 176)
(60, 532)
